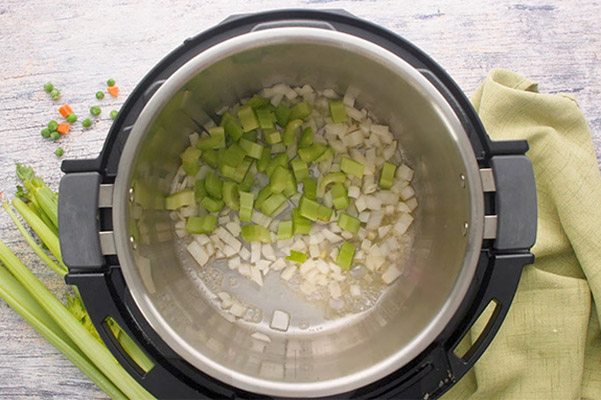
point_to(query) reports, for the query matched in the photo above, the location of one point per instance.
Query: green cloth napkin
(549, 346)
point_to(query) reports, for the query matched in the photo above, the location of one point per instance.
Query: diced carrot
(65, 110)
(63, 128)
(113, 90)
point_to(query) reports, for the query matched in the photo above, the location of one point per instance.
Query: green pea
(86, 123)
(71, 118)
(110, 82)
(52, 125)
(54, 135)
(55, 94)
(45, 133)
(48, 86)
(59, 151)
(99, 95)
(95, 111)
(114, 114)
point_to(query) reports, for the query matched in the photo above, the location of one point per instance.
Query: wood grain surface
(78, 45)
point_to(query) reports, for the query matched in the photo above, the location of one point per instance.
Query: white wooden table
(79, 44)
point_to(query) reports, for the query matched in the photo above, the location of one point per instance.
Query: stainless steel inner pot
(335, 357)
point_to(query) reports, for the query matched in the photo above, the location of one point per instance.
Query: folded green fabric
(549, 346)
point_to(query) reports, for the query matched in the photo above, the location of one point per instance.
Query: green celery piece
(310, 188)
(285, 230)
(352, 167)
(179, 199)
(282, 114)
(324, 213)
(200, 190)
(210, 157)
(43, 230)
(264, 160)
(248, 118)
(263, 194)
(302, 225)
(246, 206)
(251, 135)
(253, 150)
(230, 195)
(290, 189)
(242, 170)
(265, 117)
(279, 179)
(216, 139)
(272, 203)
(332, 177)
(255, 233)
(213, 185)
(190, 158)
(272, 136)
(297, 256)
(20, 300)
(289, 132)
(339, 196)
(277, 160)
(337, 111)
(247, 182)
(233, 129)
(312, 153)
(257, 102)
(308, 208)
(211, 204)
(225, 118)
(345, 256)
(348, 223)
(387, 175)
(300, 169)
(329, 153)
(300, 110)
(306, 138)
(96, 352)
(198, 225)
(234, 155)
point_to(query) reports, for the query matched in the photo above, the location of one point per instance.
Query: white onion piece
(255, 252)
(391, 274)
(404, 173)
(412, 203)
(226, 300)
(237, 309)
(407, 193)
(233, 227)
(354, 192)
(403, 223)
(268, 252)
(198, 253)
(288, 272)
(245, 254)
(255, 275)
(314, 251)
(335, 290)
(355, 290)
(279, 264)
(244, 269)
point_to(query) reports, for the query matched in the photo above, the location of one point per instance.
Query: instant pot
(475, 223)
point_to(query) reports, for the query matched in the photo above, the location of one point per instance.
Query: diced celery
(333, 177)
(210, 157)
(301, 224)
(211, 204)
(227, 171)
(265, 117)
(247, 182)
(248, 119)
(285, 230)
(199, 189)
(308, 208)
(213, 185)
(282, 114)
(190, 162)
(254, 150)
(310, 188)
(237, 174)
(279, 159)
(290, 189)
(264, 160)
(300, 110)
(257, 102)
(290, 131)
(348, 223)
(272, 136)
(251, 135)
(300, 169)
(234, 155)
(306, 138)
(216, 139)
(263, 194)
(329, 153)
(199, 225)
(352, 167)
(312, 153)
(387, 175)
(272, 203)
(179, 199)
(337, 111)
(246, 206)
(280, 178)
(233, 129)
(225, 118)
(297, 256)
(339, 196)
(345, 256)
(255, 233)
(230, 195)
(324, 213)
